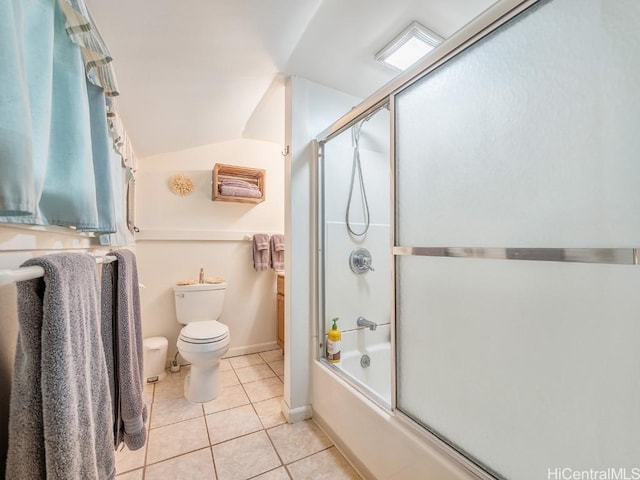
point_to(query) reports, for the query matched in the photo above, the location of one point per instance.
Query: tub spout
(363, 322)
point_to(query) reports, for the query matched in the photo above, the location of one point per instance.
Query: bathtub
(380, 443)
(352, 404)
(375, 378)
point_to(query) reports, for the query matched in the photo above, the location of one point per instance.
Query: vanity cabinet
(280, 309)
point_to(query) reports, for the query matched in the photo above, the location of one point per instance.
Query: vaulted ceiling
(194, 72)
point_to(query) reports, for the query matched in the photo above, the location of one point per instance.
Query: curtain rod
(29, 273)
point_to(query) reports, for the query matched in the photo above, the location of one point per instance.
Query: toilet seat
(209, 331)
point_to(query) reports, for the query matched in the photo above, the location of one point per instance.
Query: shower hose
(357, 167)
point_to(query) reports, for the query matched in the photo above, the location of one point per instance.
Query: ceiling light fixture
(413, 43)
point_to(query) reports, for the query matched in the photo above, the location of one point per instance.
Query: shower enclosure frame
(319, 248)
(319, 297)
(480, 27)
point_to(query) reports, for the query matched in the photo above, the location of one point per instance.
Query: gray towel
(277, 252)
(60, 413)
(109, 337)
(122, 336)
(261, 251)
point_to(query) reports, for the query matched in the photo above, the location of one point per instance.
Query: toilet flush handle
(181, 295)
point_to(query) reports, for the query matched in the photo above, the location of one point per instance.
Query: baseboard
(293, 415)
(258, 347)
(347, 453)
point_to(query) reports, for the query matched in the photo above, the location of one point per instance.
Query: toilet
(203, 340)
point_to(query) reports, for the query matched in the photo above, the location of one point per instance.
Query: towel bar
(29, 273)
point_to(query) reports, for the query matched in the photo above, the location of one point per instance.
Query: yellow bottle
(334, 338)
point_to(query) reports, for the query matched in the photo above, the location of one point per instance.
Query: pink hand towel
(233, 191)
(277, 252)
(260, 252)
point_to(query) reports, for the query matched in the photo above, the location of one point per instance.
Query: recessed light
(413, 43)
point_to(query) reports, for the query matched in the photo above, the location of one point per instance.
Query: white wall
(310, 108)
(179, 235)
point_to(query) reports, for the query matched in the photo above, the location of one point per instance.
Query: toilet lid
(204, 332)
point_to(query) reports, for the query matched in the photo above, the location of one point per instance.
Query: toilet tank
(199, 302)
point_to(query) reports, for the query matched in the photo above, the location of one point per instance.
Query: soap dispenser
(201, 277)
(334, 338)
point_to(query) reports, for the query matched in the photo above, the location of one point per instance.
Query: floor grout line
(213, 458)
(226, 409)
(236, 438)
(269, 471)
(175, 456)
(176, 422)
(271, 368)
(286, 469)
(273, 445)
(146, 446)
(311, 454)
(264, 428)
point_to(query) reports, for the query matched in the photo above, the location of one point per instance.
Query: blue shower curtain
(17, 195)
(54, 140)
(120, 176)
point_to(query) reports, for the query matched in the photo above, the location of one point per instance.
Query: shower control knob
(360, 261)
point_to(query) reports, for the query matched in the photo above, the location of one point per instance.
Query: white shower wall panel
(376, 374)
(349, 295)
(374, 158)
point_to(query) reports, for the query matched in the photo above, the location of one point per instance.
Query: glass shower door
(355, 236)
(517, 195)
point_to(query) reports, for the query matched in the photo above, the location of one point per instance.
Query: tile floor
(240, 435)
